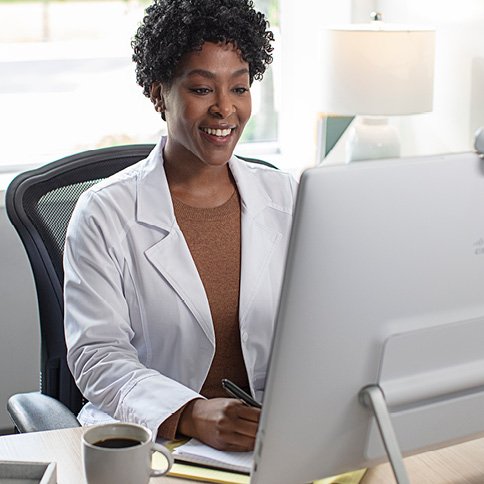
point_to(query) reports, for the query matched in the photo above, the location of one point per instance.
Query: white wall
(20, 333)
(459, 72)
(302, 69)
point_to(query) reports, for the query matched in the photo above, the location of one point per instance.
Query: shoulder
(125, 182)
(120, 189)
(109, 205)
(110, 194)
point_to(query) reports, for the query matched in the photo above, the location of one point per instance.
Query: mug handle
(161, 448)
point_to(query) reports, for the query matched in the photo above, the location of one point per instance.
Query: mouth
(221, 133)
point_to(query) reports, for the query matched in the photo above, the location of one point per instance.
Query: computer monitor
(384, 286)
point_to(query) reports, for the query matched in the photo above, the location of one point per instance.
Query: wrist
(186, 423)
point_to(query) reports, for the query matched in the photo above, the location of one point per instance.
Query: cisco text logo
(479, 247)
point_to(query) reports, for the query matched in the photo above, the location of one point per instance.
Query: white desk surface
(462, 464)
(61, 446)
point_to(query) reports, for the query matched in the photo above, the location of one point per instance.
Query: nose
(223, 106)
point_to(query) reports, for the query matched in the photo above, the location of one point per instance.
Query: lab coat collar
(153, 185)
(258, 239)
(252, 197)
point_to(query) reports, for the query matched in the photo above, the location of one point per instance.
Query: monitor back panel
(378, 249)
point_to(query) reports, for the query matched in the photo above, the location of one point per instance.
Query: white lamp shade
(379, 70)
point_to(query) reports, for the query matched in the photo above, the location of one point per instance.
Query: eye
(200, 90)
(241, 90)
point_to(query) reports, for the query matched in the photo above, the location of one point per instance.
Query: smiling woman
(173, 267)
(206, 106)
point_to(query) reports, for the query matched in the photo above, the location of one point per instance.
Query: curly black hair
(172, 28)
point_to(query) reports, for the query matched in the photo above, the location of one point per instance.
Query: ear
(156, 96)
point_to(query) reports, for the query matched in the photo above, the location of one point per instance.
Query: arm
(103, 352)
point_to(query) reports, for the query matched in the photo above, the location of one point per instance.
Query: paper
(197, 452)
(207, 474)
(204, 455)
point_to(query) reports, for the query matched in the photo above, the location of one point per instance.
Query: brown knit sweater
(213, 237)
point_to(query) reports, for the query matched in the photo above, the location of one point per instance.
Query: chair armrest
(35, 412)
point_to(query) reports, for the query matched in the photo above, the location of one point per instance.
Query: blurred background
(67, 84)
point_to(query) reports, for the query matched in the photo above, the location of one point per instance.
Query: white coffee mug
(121, 453)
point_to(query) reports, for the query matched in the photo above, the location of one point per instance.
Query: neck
(198, 184)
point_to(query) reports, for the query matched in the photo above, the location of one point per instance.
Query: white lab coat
(138, 325)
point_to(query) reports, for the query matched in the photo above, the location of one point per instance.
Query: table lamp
(377, 70)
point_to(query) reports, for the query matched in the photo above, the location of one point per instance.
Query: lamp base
(372, 138)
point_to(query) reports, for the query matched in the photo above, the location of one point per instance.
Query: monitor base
(372, 397)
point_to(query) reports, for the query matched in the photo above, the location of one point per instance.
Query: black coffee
(117, 443)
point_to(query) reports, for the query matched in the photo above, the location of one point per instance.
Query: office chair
(39, 205)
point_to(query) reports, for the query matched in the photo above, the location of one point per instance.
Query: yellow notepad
(207, 474)
(195, 472)
(218, 476)
(348, 478)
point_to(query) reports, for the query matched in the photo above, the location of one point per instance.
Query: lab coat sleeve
(101, 356)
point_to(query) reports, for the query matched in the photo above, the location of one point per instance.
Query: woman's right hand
(222, 423)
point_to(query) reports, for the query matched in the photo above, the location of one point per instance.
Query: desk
(61, 446)
(462, 464)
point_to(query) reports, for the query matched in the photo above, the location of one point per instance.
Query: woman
(173, 267)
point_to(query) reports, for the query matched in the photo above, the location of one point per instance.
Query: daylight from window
(67, 82)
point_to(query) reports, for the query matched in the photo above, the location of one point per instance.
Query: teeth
(217, 132)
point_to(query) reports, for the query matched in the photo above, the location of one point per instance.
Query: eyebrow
(212, 75)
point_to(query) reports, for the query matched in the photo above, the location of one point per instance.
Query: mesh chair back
(39, 204)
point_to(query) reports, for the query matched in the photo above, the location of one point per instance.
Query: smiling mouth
(217, 132)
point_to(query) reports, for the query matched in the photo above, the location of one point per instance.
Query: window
(67, 82)
(262, 127)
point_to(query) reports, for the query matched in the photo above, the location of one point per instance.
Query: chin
(217, 157)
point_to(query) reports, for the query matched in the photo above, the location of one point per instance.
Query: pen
(233, 390)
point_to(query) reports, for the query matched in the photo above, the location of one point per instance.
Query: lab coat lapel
(258, 244)
(170, 255)
(172, 258)
(258, 240)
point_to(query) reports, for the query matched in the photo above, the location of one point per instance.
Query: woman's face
(207, 106)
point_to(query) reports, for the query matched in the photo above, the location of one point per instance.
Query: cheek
(248, 106)
(247, 110)
(180, 117)
(190, 113)
(176, 104)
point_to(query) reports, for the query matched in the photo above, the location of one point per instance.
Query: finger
(236, 442)
(245, 430)
(249, 413)
(236, 419)
(239, 448)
